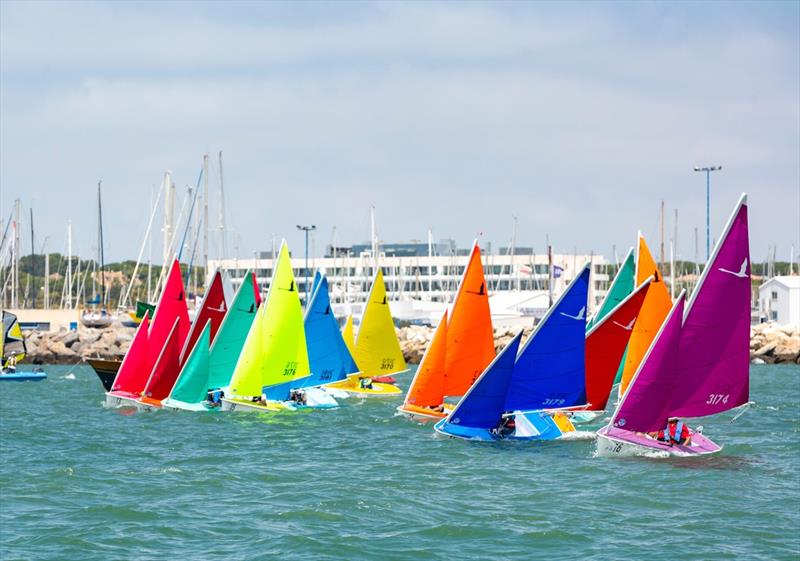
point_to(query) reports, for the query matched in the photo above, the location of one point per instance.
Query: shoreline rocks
(769, 343)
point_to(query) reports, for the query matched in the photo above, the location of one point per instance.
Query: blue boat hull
(23, 377)
(530, 426)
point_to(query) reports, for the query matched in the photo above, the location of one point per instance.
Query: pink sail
(713, 366)
(167, 367)
(211, 309)
(133, 372)
(645, 406)
(171, 306)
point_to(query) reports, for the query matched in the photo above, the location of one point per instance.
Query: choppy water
(79, 482)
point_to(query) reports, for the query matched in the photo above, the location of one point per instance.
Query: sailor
(365, 383)
(11, 364)
(215, 398)
(298, 396)
(506, 427)
(676, 432)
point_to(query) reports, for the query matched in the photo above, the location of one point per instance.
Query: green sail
(192, 383)
(275, 350)
(232, 333)
(621, 287)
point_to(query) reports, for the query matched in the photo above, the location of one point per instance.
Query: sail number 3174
(717, 398)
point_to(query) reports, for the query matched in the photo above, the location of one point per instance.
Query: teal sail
(329, 358)
(550, 371)
(231, 335)
(621, 287)
(192, 384)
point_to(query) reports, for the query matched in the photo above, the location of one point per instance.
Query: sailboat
(329, 358)
(377, 350)
(698, 363)
(461, 349)
(211, 369)
(150, 339)
(274, 358)
(13, 351)
(165, 376)
(547, 376)
(99, 318)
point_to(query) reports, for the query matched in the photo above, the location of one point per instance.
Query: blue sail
(328, 357)
(550, 369)
(314, 286)
(483, 405)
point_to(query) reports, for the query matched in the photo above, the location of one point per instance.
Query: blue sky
(578, 118)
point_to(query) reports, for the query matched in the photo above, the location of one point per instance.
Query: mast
(101, 252)
(374, 239)
(662, 256)
(513, 251)
(169, 203)
(15, 259)
(550, 273)
(430, 264)
(46, 303)
(69, 265)
(221, 211)
(205, 215)
(31, 291)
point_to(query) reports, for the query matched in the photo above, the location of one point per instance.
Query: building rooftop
(789, 282)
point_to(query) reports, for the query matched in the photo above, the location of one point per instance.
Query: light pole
(306, 229)
(708, 170)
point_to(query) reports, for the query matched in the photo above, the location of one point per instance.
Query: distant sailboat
(461, 348)
(13, 351)
(698, 363)
(377, 350)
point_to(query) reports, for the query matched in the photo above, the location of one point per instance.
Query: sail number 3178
(717, 398)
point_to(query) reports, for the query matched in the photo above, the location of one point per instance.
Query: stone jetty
(769, 343)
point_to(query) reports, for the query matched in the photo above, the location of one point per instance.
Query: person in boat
(365, 383)
(11, 364)
(676, 432)
(506, 427)
(298, 396)
(261, 400)
(437, 408)
(215, 398)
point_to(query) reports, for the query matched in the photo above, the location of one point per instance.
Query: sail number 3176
(717, 398)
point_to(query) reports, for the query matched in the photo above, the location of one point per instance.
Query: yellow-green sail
(275, 349)
(377, 350)
(347, 335)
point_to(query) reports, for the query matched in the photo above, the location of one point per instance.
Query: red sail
(133, 372)
(167, 367)
(212, 309)
(171, 307)
(605, 347)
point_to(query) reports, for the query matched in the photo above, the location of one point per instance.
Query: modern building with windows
(422, 279)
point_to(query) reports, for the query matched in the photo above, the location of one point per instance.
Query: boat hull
(106, 370)
(23, 376)
(377, 390)
(244, 405)
(120, 400)
(423, 414)
(529, 426)
(177, 405)
(614, 442)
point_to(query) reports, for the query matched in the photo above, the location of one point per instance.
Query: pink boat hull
(615, 442)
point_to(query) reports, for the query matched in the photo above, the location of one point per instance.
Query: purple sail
(646, 405)
(713, 361)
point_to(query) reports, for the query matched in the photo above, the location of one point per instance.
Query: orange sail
(605, 345)
(427, 388)
(470, 338)
(655, 308)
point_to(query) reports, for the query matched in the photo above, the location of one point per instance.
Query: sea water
(79, 482)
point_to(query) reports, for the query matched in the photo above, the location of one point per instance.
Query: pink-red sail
(171, 307)
(713, 371)
(212, 309)
(133, 372)
(167, 367)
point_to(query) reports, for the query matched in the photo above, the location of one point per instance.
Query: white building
(779, 300)
(421, 286)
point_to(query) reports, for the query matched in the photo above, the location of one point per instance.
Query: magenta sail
(713, 361)
(171, 306)
(646, 405)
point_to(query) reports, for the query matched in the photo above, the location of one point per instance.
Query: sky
(577, 118)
